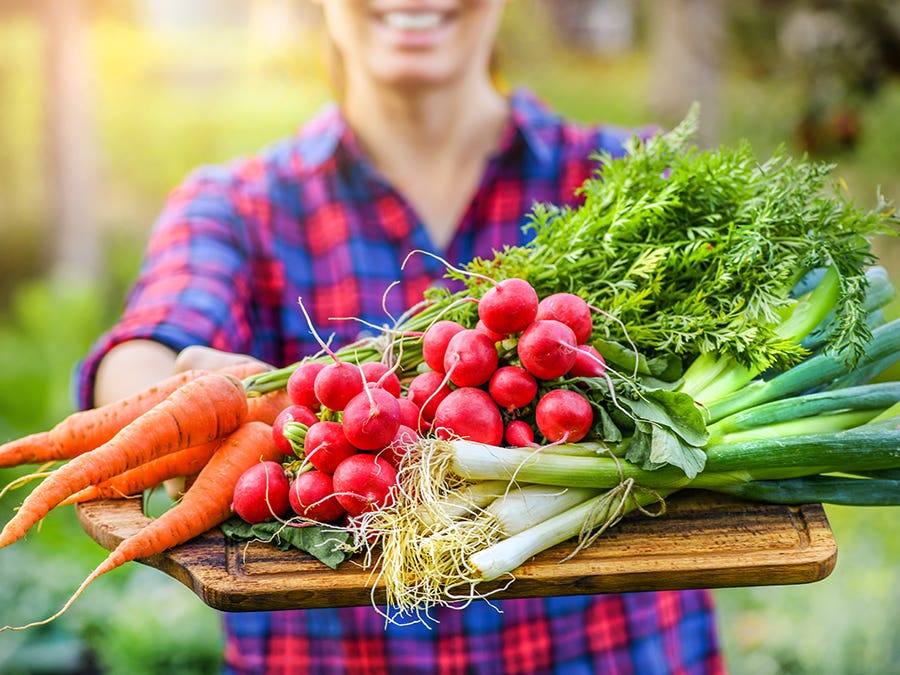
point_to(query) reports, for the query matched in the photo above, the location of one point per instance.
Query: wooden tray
(703, 541)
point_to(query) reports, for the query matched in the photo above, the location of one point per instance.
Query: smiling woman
(422, 152)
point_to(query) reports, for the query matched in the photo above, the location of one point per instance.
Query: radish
(519, 434)
(547, 349)
(469, 413)
(434, 342)
(381, 376)
(312, 496)
(409, 413)
(293, 413)
(261, 493)
(512, 387)
(496, 337)
(326, 446)
(405, 437)
(300, 384)
(470, 359)
(509, 306)
(569, 309)
(563, 416)
(588, 363)
(363, 482)
(427, 390)
(337, 383)
(371, 419)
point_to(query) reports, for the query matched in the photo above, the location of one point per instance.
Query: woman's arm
(130, 367)
(134, 365)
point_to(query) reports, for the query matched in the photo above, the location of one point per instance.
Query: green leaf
(673, 410)
(653, 447)
(325, 543)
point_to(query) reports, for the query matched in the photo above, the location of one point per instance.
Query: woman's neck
(432, 146)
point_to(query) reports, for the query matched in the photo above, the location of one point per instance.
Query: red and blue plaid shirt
(309, 217)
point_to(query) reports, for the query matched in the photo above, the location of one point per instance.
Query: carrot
(205, 505)
(207, 408)
(244, 369)
(87, 429)
(185, 462)
(148, 475)
(266, 408)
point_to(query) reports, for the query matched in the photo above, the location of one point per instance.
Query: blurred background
(105, 105)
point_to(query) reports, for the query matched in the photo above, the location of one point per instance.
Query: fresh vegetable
(207, 408)
(371, 419)
(547, 349)
(363, 483)
(205, 504)
(85, 430)
(564, 416)
(509, 306)
(261, 493)
(471, 413)
(312, 497)
(187, 462)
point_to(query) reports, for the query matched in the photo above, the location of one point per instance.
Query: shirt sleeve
(192, 286)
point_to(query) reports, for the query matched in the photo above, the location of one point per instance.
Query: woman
(423, 152)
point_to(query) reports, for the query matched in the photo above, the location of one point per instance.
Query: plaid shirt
(309, 217)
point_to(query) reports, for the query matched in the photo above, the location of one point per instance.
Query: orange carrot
(266, 408)
(148, 475)
(185, 462)
(205, 505)
(244, 369)
(87, 429)
(201, 411)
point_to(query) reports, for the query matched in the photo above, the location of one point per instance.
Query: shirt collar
(530, 121)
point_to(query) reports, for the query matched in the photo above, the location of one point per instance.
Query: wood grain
(703, 541)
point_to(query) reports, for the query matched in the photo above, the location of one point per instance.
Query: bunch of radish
(353, 428)
(494, 383)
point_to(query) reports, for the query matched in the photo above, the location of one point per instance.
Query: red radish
(381, 376)
(588, 363)
(312, 496)
(547, 349)
(363, 482)
(512, 387)
(496, 337)
(405, 437)
(470, 359)
(469, 413)
(409, 413)
(427, 390)
(563, 416)
(434, 342)
(509, 306)
(300, 384)
(371, 419)
(326, 446)
(569, 309)
(519, 434)
(337, 383)
(261, 493)
(293, 413)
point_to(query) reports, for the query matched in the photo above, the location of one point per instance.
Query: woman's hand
(207, 358)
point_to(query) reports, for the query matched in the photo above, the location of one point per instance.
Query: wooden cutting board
(703, 541)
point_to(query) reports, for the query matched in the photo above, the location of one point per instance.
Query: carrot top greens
(695, 251)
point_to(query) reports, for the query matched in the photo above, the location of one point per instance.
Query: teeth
(412, 20)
